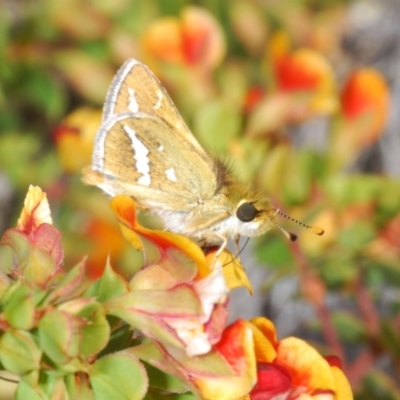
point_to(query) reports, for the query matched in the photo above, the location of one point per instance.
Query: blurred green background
(299, 95)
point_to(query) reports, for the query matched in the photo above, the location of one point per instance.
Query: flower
(177, 298)
(194, 39)
(227, 372)
(35, 243)
(366, 93)
(74, 138)
(303, 71)
(291, 369)
(365, 103)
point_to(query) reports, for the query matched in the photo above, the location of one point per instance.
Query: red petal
(334, 361)
(272, 380)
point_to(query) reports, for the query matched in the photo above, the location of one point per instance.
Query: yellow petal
(124, 208)
(343, 389)
(308, 368)
(264, 335)
(36, 210)
(234, 272)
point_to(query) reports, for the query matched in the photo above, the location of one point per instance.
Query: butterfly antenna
(291, 236)
(313, 229)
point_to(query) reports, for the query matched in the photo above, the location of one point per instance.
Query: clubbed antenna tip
(316, 230)
(292, 236)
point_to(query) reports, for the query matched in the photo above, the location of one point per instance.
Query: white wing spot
(142, 161)
(160, 97)
(160, 147)
(171, 175)
(133, 104)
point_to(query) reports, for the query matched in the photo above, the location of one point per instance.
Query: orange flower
(183, 300)
(365, 103)
(196, 39)
(303, 71)
(104, 240)
(166, 243)
(292, 369)
(74, 138)
(366, 92)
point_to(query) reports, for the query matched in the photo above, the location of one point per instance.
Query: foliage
(265, 84)
(67, 337)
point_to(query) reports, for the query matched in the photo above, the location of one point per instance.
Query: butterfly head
(255, 217)
(258, 216)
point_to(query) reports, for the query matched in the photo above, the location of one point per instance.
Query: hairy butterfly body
(144, 149)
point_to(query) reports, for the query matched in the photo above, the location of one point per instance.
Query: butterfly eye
(246, 212)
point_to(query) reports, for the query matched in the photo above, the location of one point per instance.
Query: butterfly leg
(237, 239)
(224, 243)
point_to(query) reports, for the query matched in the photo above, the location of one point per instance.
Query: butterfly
(144, 149)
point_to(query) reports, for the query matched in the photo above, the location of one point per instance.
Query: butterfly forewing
(138, 154)
(136, 89)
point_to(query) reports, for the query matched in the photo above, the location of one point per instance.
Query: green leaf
(108, 286)
(120, 339)
(165, 382)
(390, 271)
(175, 268)
(210, 364)
(38, 81)
(145, 310)
(78, 388)
(390, 337)
(216, 123)
(5, 282)
(297, 180)
(19, 311)
(274, 251)
(351, 329)
(19, 353)
(182, 302)
(118, 376)
(60, 336)
(96, 332)
(152, 355)
(356, 236)
(25, 391)
(338, 269)
(379, 386)
(70, 285)
(49, 388)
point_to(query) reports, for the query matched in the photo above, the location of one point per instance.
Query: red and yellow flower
(291, 369)
(35, 243)
(194, 39)
(74, 138)
(182, 301)
(303, 72)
